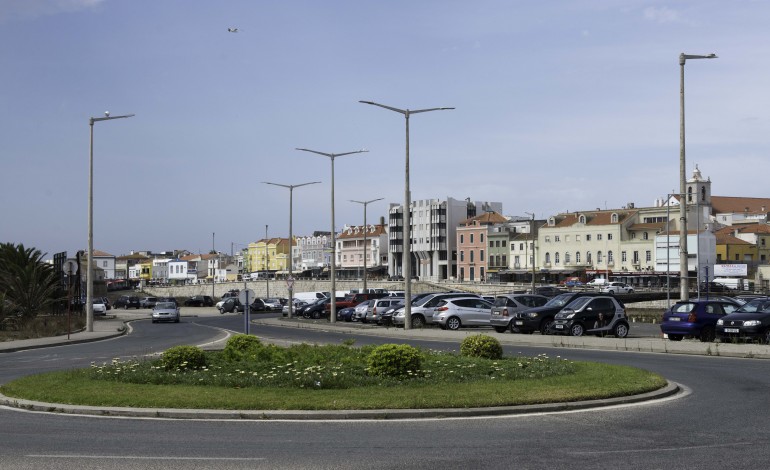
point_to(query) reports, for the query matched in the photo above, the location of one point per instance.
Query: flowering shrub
(239, 347)
(183, 357)
(394, 360)
(481, 346)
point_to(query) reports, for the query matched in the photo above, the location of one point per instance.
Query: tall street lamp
(366, 248)
(406, 236)
(267, 267)
(290, 281)
(683, 268)
(333, 301)
(90, 262)
(532, 232)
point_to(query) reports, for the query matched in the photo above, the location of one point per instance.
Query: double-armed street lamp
(366, 248)
(683, 260)
(90, 261)
(406, 237)
(333, 301)
(290, 281)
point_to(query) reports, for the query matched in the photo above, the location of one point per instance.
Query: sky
(559, 106)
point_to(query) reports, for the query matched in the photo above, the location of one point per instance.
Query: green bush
(239, 347)
(183, 357)
(394, 360)
(482, 346)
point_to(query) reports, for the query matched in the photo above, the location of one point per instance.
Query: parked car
(99, 307)
(541, 318)
(454, 313)
(296, 304)
(320, 309)
(505, 307)
(600, 315)
(259, 305)
(167, 299)
(346, 314)
(199, 301)
(106, 302)
(571, 282)
(127, 301)
(422, 308)
(597, 282)
(386, 318)
(231, 304)
(231, 293)
(617, 288)
(695, 318)
(165, 311)
(547, 291)
(359, 311)
(749, 322)
(273, 304)
(148, 302)
(378, 307)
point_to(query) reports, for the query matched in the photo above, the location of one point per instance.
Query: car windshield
(684, 307)
(163, 305)
(559, 301)
(756, 305)
(578, 303)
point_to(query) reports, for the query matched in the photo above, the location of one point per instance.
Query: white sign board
(246, 296)
(730, 270)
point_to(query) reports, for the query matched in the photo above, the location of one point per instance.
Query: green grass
(334, 378)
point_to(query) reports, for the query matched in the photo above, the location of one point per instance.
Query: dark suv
(600, 315)
(540, 318)
(127, 301)
(199, 301)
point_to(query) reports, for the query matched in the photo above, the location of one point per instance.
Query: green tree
(28, 284)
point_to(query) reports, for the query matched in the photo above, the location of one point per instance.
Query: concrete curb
(303, 415)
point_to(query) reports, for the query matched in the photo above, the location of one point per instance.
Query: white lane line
(139, 457)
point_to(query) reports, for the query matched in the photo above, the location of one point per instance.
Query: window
(609, 236)
(566, 258)
(516, 260)
(481, 273)
(462, 256)
(609, 257)
(636, 257)
(633, 235)
(521, 246)
(556, 238)
(577, 257)
(582, 219)
(588, 238)
(492, 260)
(505, 261)
(548, 258)
(556, 258)
(598, 256)
(645, 236)
(599, 236)
(471, 238)
(471, 256)
(462, 238)
(588, 257)
(614, 218)
(623, 256)
(462, 273)
(481, 255)
(481, 239)
(547, 239)
(648, 256)
(577, 238)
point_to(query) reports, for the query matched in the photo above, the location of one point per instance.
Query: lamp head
(106, 114)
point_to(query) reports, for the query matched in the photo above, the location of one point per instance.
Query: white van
(310, 296)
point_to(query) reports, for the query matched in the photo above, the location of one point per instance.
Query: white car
(617, 288)
(99, 307)
(597, 282)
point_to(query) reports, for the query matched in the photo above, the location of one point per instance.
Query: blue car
(695, 318)
(346, 314)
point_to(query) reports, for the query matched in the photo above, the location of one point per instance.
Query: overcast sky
(560, 106)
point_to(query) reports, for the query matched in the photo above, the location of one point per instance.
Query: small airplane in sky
(232, 30)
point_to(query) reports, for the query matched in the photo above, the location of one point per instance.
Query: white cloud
(662, 15)
(27, 9)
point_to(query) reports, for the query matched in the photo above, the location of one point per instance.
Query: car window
(501, 301)
(729, 308)
(163, 305)
(714, 309)
(602, 303)
(578, 303)
(559, 301)
(685, 307)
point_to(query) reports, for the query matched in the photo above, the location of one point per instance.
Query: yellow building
(268, 255)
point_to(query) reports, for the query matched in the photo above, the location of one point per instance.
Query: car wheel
(630, 291)
(576, 330)
(500, 329)
(221, 311)
(766, 336)
(611, 292)
(545, 326)
(418, 321)
(621, 330)
(177, 320)
(513, 328)
(316, 315)
(707, 334)
(155, 321)
(453, 323)
(675, 337)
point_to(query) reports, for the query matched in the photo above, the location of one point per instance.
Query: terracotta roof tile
(727, 204)
(726, 239)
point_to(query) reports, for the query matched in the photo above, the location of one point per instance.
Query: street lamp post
(290, 281)
(90, 262)
(366, 248)
(406, 262)
(267, 267)
(683, 268)
(532, 232)
(333, 301)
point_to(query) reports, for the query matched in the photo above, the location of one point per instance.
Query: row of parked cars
(742, 318)
(572, 313)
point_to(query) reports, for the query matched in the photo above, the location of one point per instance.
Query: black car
(232, 304)
(541, 318)
(127, 301)
(547, 291)
(199, 301)
(750, 322)
(716, 287)
(599, 315)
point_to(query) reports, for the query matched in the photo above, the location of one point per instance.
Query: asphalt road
(721, 422)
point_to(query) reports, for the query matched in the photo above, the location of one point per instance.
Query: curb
(669, 390)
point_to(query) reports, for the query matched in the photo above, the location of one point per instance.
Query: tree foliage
(28, 284)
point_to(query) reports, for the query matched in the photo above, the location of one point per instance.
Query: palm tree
(28, 285)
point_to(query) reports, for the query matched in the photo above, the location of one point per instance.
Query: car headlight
(570, 316)
(752, 323)
(532, 315)
(720, 322)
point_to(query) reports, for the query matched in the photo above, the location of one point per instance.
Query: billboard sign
(731, 270)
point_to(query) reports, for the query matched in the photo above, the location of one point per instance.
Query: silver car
(360, 310)
(380, 306)
(454, 313)
(422, 309)
(165, 311)
(506, 306)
